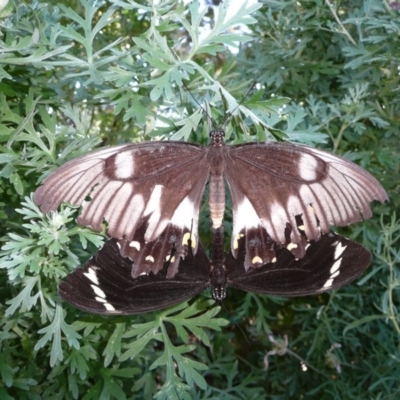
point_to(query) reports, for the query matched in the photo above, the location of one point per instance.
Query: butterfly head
(218, 282)
(217, 137)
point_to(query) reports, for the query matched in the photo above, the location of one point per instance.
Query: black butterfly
(104, 285)
(283, 196)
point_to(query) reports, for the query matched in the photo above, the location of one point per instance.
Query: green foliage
(83, 73)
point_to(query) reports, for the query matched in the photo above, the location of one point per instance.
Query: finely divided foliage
(79, 75)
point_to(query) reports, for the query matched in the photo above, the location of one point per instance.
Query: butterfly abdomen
(216, 157)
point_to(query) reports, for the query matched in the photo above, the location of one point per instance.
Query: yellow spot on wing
(135, 245)
(236, 240)
(256, 260)
(188, 236)
(170, 258)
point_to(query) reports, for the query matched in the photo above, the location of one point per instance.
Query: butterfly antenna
(204, 110)
(240, 329)
(239, 104)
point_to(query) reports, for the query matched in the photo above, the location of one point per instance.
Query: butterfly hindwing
(329, 263)
(104, 285)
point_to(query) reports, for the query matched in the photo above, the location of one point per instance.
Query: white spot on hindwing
(98, 291)
(291, 246)
(91, 275)
(124, 166)
(335, 269)
(339, 249)
(109, 307)
(328, 283)
(150, 258)
(101, 298)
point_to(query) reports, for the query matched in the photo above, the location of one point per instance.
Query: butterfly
(104, 285)
(283, 196)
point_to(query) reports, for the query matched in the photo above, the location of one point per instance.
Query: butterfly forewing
(104, 285)
(329, 263)
(273, 183)
(155, 188)
(149, 195)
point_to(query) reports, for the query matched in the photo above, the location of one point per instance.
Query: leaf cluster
(79, 74)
